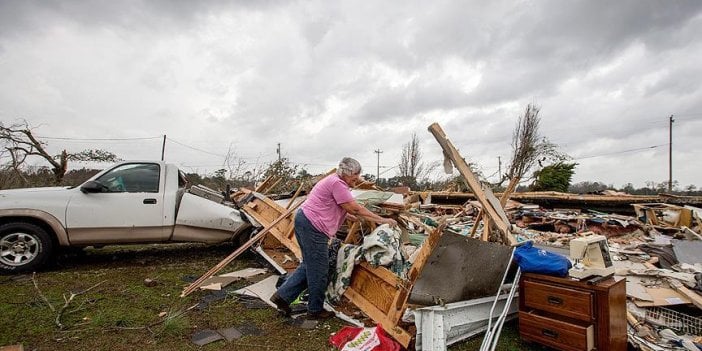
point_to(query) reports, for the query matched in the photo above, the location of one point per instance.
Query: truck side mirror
(92, 186)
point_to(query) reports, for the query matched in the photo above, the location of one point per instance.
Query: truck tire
(24, 247)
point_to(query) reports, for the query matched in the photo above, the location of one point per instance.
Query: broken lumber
(238, 252)
(682, 289)
(490, 205)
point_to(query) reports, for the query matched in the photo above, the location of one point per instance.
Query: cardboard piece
(245, 273)
(263, 289)
(663, 297)
(636, 290)
(222, 280)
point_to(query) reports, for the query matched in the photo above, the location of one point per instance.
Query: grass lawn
(120, 312)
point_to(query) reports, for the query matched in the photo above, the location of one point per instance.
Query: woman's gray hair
(348, 166)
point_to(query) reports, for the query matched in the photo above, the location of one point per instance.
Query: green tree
(285, 171)
(628, 188)
(529, 150)
(555, 177)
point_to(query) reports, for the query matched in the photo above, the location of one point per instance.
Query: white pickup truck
(130, 202)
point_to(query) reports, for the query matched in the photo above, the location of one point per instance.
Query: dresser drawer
(564, 301)
(555, 333)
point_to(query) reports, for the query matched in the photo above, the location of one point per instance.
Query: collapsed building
(450, 267)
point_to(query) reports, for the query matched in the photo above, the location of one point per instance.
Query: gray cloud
(328, 79)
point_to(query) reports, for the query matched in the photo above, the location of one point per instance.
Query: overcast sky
(328, 79)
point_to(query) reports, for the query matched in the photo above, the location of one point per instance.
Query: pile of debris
(658, 252)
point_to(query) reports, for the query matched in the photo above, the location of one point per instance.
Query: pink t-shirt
(322, 206)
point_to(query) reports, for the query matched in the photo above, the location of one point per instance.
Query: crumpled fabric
(382, 247)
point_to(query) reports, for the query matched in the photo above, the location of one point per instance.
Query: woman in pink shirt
(318, 220)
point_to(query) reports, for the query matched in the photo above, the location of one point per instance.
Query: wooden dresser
(571, 315)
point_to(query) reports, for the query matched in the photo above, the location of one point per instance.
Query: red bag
(363, 339)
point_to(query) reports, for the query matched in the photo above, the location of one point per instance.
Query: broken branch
(68, 300)
(36, 286)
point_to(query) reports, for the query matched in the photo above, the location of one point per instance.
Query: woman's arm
(354, 209)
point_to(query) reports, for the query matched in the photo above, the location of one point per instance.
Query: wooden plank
(472, 182)
(267, 211)
(297, 192)
(235, 254)
(352, 236)
(424, 253)
(399, 304)
(399, 334)
(374, 288)
(264, 185)
(682, 289)
(476, 222)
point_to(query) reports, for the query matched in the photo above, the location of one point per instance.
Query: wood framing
(488, 201)
(264, 210)
(268, 228)
(655, 215)
(376, 291)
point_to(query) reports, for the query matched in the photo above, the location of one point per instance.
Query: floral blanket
(382, 247)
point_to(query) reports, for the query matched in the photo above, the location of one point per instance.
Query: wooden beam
(263, 185)
(485, 235)
(352, 236)
(477, 220)
(424, 253)
(496, 214)
(265, 191)
(693, 296)
(264, 211)
(295, 196)
(235, 254)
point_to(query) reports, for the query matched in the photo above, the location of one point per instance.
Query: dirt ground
(113, 308)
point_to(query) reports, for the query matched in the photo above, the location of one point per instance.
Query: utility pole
(670, 153)
(499, 168)
(278, 151)
(163, 147)
(377, 174)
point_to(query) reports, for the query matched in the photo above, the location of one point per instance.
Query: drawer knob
(554, 300)
(549, 333)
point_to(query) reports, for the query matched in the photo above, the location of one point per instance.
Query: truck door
(130, 208)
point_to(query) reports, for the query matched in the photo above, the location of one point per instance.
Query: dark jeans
(313, 270)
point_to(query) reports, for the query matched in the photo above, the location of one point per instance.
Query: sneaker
(320, 316)
(281, 304)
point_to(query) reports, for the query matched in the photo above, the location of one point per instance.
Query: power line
(97, 139)
(196, 149)
(389, 169)
(620, 152)
(216, 154)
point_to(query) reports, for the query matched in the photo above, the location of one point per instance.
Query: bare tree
(18, 143)
(529, 150)
(235, 165)
(411, 167)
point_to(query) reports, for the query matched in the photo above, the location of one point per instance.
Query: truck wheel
(24, 247)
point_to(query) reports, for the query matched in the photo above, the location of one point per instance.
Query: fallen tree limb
(153, 324)
(68, 300)
(36, 286)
